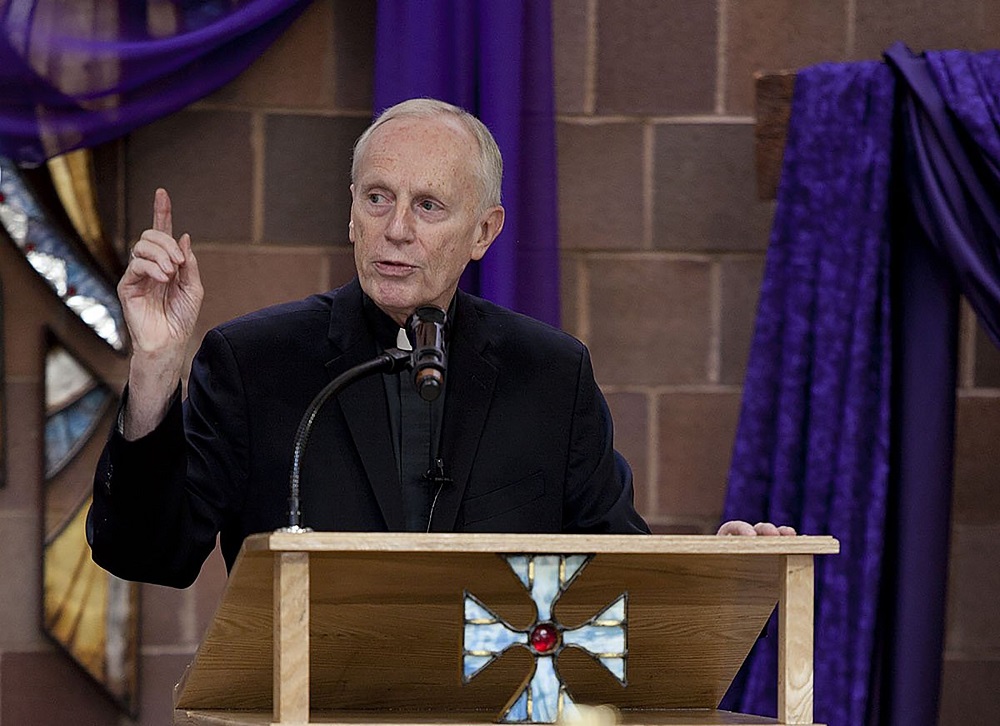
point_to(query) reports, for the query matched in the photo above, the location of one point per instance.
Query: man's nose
(400, 227)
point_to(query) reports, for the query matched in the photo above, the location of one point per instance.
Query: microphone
(425, 329)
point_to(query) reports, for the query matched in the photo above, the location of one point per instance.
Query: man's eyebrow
(371, 183)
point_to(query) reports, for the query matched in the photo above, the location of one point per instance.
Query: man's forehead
(440, 135)
(430, 123)
(421, 145)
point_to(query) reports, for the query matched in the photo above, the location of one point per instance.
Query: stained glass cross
(544, 699)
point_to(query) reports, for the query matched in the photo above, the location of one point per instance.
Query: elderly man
(520, 441)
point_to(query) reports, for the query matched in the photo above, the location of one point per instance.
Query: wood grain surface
(385, 615)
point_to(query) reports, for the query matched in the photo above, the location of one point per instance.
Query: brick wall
(663, 247)
(663, 242)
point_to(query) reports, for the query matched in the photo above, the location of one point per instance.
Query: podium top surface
(539, 543)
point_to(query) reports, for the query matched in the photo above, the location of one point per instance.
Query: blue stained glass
(69, 428)
(472, 664)
(574, 563)
(544, 690)
(475, 610)
(485, 637)
(613, 613)
(597, 639)
(545, 585)
(519, 564)
(604, 634)
(519, 711)
(544, 699)
(492, 638)
(56, 259)
(616, 666)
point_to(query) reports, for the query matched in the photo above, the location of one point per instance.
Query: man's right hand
(161, 294)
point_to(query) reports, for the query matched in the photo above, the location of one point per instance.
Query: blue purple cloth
(136, 69)
(493, 59)
(887, 207)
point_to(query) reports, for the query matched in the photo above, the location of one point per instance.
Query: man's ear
(490, 226)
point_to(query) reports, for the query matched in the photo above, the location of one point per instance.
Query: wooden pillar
(774, 108)
(795, 641)
(291, 638)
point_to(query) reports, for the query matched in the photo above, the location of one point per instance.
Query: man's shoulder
(508, 330)
(312, 310)
(308, 316)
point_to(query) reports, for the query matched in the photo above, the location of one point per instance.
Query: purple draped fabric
(812, 447)
(495, 60)
(951, 116)
(948, 236)
(815, 445)
(77, 79)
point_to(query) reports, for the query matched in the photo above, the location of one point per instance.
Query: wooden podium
(346, 628)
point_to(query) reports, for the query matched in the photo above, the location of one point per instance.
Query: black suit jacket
(526, 439)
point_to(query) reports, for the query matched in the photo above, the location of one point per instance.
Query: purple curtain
(947, 240)
(816, 445)
(77, 79)
(495, 60)
(812, 446)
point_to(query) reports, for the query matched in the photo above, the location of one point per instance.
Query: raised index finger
(162, 221)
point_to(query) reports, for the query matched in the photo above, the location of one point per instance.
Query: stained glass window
(545, 699)
(53, 256)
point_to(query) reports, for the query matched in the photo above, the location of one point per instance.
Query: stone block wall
(663, 241)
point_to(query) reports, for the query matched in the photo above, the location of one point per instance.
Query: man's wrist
(154, 382)
(120, 425)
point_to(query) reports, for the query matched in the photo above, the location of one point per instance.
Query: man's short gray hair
(489, 168)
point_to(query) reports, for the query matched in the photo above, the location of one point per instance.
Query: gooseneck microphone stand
(391, 361)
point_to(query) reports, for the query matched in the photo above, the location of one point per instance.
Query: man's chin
(397, 298)
(396, 306)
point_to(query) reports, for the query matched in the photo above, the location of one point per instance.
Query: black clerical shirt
(415, 425)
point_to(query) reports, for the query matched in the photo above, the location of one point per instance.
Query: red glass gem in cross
(544, 637)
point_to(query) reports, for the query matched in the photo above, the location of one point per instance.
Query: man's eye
(375, 198)
(428, 206)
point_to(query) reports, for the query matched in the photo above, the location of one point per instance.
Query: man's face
(416, 217)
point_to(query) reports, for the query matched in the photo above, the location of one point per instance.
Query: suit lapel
(363, 403)
(471, 379)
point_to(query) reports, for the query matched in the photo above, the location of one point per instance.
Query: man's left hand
(739, 528)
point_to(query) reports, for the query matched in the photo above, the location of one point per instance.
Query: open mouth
(388, 267)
